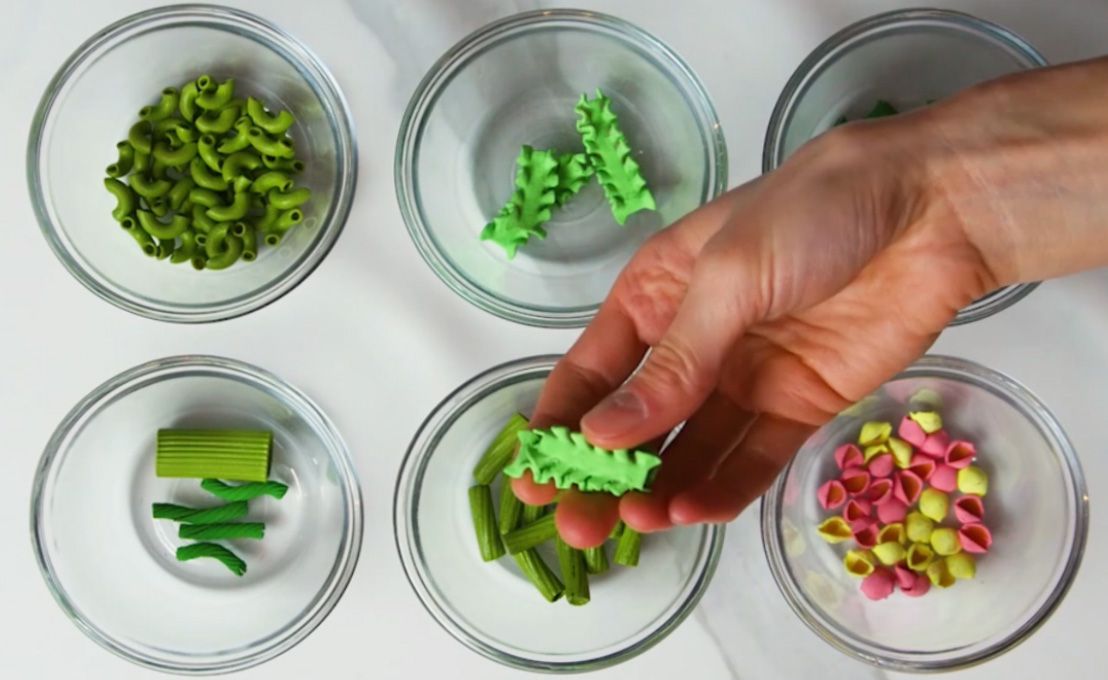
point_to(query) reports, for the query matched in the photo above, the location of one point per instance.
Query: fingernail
(619, 412)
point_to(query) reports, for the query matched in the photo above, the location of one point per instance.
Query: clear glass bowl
(95, 98)
(113, 569)
(516, 82)
(909, 58)
(491, 607)
(1037, 509)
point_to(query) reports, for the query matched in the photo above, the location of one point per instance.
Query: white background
(376, 339)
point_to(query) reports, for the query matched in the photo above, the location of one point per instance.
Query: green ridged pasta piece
(216, 515)
(287, 200)
(214, 551)
(484, 523)
(510, 509)
(223, 250)
(124, 198)
(141, 136)
(236, 210)
(568, 460)
(240, 455)
(224, 531)
(238, 163)
(575, 575)
(628, 547)
(273, 124)
(186, 104)
(574, 171)
(531, 513)
(244, 492)
(596, 560)
(500, 451)
(536, 571)
(240, 140)
(214, 99)
(531, 535)
(187, 248)
(204, 177)
(610, 155)
(159, 230)
(124, 162)
(165, 107)
(216, 122)
(530, 205)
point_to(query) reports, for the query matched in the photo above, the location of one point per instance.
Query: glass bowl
(516, 82)
(95, 97)
(112, 568)
(906, 57)
(491, 607)
(1037, 510)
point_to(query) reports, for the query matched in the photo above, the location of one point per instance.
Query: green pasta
(217, 515)
(229, 213)
(174, 158)
(186, 104)
(268, 146)
(249, 236)
(531, 512)
(238, 163)
(244, 492)
(287, 200)
(610, 154)
(144, 240)
(484, 523)
(125, 161)
(272, 179)
(531, 535)
(287, 220)
(207, 151)
(214, 99)
(141, 136)
(596, 560)
(214, 551)
(273, 124)
(160, 230)
(282, 164)
(241, 455)
(574, 573)
(124, 198)
(149, 187)
(510, 510)
(205, 198)
(241, 138)
(180, 193)
(142, 160)
(216, 122)
(500, 451)
(223, 250)
(536, 571)
(185, 251)
(627, 549)
(224, 531)
(165, 107)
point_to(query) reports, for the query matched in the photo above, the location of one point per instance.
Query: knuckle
(673, 367)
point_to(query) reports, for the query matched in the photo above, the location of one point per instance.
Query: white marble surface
(376, 339)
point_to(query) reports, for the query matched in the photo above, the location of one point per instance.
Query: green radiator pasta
(217, 515)
(222, 531)
(569, 460)
(244, 492)
(500, 451)
(239, 455)
(214, 551)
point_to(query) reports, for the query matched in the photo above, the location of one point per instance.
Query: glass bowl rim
(966, 371)
(442, 73)
(159, 370)
(268, 35)
(860, 32)
(423, 444)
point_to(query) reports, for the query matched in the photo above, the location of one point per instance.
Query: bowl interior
(907, 64)
(113, 566)
(1030, 508)
(97, 104)
(520, 87)
(492, 606)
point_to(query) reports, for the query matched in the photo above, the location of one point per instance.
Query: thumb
(682, 369)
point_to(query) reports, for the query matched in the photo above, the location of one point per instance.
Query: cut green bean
(185, 251)
(204, 177)
(159, 230)
(244, 492)
(484, 523)
(141, 136)
(224, 531)
(214, 551)
(627, 549)
(273, 124)
(535, 569)
(216, 123)
(575, 575)
(124, 198)
(186, 515)
(511, 508)
(531, 535)
(287, 200)
(213, 99)
(596, 560)
(500, 450)
(240, 455)
(163, 109)
(235, 211)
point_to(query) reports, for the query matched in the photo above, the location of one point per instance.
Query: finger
(706, 439)
(745, 475)
(680, 372)
(585, 520)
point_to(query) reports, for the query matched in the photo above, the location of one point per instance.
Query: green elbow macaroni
(229, 213)
(273, 124)
(163, 109)
(159, 230)
(214, 99)
(124, 198)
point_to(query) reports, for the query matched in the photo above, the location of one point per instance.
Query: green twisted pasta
(186, 515)
(574, 170)
(225, 531)
(569, 460)
(214, 551)
(244, 492)
(273, 124)
(124, 198)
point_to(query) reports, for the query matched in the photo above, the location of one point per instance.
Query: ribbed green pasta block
(569, 460)
(530, 205)
(610, 154)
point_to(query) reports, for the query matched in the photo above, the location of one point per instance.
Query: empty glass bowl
(1036, 507)
(112, 568)
(95, 98)
(491, 607)
(908, 58)
(516, 82)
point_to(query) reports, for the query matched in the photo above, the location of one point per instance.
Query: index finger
(601, 359)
